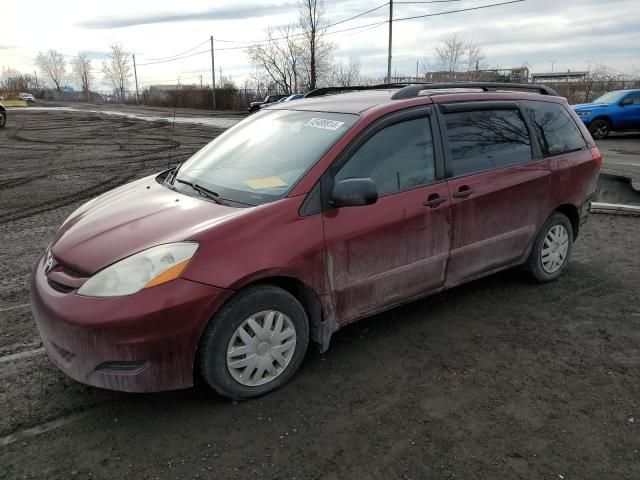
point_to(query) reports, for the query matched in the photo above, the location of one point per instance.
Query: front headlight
(145, 269)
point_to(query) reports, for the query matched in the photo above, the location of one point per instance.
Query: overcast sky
(569, 33)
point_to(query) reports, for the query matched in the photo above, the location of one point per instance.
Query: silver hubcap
(261, 348)
(555, 248)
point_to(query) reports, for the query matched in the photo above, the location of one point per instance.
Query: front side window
(481, 140)
(261, 158)
(635, 97)
(554, 127)
(399, 157)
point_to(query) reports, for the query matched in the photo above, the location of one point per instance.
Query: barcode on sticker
(324, 123)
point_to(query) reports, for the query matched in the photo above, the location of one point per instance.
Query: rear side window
(482, 140)
(399, 157)
(555, 128)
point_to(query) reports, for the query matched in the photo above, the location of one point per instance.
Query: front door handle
(463, 192)
(434, 200)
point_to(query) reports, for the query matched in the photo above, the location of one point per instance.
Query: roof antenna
(173, 124)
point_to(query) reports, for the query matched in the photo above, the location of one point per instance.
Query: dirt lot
(500, 378)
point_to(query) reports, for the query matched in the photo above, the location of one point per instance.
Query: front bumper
(144, 342)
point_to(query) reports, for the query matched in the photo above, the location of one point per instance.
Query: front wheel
(551, 248)
(600, 128)
(3, 119)
(255, 343)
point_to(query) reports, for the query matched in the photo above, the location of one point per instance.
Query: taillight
(597, 156)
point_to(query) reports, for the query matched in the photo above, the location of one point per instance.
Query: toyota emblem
(49, 264)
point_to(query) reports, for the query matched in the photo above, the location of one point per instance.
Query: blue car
(613, 111)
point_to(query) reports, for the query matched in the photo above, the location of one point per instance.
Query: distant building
(567, 76)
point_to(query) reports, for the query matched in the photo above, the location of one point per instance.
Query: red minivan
(305, 217)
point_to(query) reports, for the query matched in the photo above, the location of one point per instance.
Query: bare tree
(280, 58)
(318, 51)
(473, 55)
(12, 81)
(455, 54)
(81, 67)
(346, 74)
(52, 65)
(116, 70)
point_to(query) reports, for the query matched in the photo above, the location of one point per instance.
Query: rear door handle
(463, 192)
(434, 200)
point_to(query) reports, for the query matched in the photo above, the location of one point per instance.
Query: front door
(629, 116)
(396, 249)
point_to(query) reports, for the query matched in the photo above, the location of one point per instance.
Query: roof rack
(318, 92)
(414, 90)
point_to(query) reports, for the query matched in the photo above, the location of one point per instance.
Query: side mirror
(354, 192)
(626, 101)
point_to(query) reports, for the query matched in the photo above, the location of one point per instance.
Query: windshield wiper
(205, 192)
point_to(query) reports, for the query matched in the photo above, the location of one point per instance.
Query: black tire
(600, 128)
(3, 119)
(535, 263)
(212, 358)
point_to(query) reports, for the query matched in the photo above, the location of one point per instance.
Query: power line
(266, 40)
(458, 11)
(178, 54)
(373, 24)
(430, 1)
(174, 59)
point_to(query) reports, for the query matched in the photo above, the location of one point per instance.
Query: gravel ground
(499, 378)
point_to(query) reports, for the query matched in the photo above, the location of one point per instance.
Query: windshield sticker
(266, 182)
(324, 123)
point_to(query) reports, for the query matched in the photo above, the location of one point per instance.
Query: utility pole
(390, 40)
(201, 81)
(417, 69)
(213, 75)
(135, 74)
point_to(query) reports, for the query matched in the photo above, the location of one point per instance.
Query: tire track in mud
(145, 136)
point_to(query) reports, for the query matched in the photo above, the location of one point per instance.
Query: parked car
(3, 116)
(613, 111)
(27, 97)
(255, 106)
(303, 218)
(295, 96)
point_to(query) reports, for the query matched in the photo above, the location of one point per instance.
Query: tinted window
(554, 127)
(635, 97)
(486, 139)
(397, 158)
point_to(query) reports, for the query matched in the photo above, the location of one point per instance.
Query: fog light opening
(122, 368)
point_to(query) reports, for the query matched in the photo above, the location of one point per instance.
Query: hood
(588, 106)
(129, 219)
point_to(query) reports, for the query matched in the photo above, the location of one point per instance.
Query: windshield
(611, 97)
(261, 158)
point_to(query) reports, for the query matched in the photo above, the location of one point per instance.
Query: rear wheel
(600, 128)
(551, 248)
(255, 343)
(3, 119)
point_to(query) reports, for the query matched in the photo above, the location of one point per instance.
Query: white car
(3, 116)
(27, 97)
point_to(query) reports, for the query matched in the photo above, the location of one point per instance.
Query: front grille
(58, 287)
